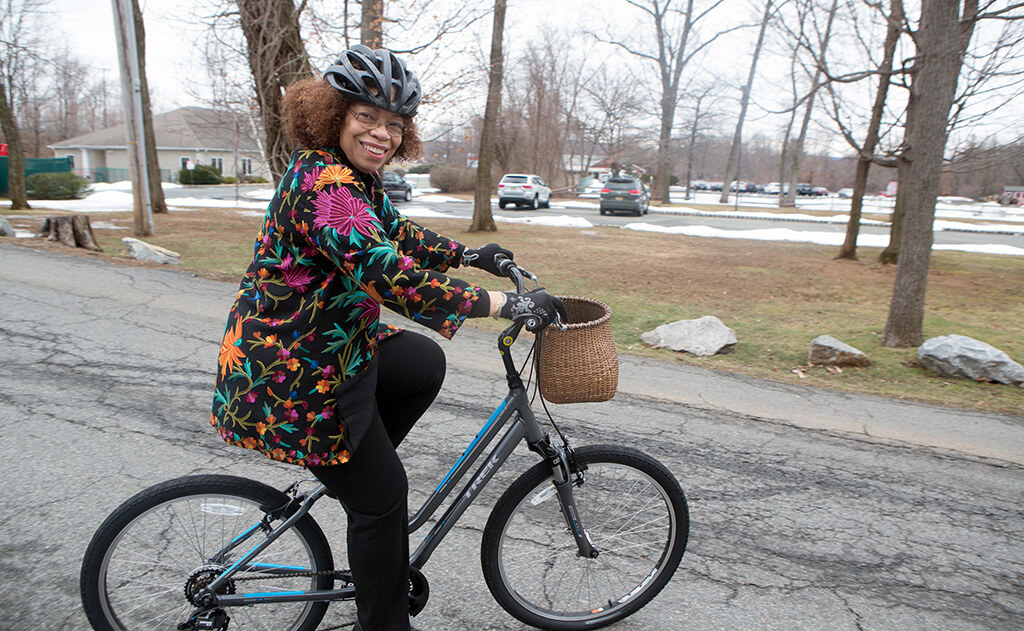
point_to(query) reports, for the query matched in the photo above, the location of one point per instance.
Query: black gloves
(485, 257)
(536, 308)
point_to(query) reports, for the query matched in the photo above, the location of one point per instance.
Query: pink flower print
(309, 180)
(328, 371)
(296, 277)
(405, 262)
(283, 354)
(250, 398)
(279, 376)
(370, 314)
(336, 208)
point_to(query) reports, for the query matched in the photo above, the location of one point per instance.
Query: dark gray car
(397, 188)
(625, 194)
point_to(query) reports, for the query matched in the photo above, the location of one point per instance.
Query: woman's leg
(372, 487)
(411, 371)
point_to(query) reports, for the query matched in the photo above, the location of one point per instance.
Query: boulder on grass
(959, 356)
(150, 253)
(828, 351)
(6, 229)
(704, 336)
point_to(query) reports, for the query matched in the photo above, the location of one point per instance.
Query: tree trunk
(890, 255)
(483, 220)
(16, 156)
(860, 181)
(277, 59)
(156, 189)
(737, 138)
(941, 40)
(663, 171)
(371, 28)
(71, 230)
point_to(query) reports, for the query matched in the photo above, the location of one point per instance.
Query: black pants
(372, 485)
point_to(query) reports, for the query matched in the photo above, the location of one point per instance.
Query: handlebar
(509, 268)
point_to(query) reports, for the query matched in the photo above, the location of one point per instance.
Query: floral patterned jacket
(297, 369)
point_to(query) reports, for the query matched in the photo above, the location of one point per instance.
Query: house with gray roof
(203, 136)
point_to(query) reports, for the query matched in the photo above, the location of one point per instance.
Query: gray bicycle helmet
(377, 77)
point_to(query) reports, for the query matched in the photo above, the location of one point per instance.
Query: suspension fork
(562, 465)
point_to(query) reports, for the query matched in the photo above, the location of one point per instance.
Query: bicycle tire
(530, 560)
(136, 568)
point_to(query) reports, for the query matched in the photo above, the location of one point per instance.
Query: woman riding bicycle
(307, 372)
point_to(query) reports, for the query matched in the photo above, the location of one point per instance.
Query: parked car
(523, 190)
(396, 186)
(845, 193)
(625, 194)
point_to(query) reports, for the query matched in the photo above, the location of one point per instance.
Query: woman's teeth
(375, 150)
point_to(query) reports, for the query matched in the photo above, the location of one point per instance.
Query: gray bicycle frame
(524, 426)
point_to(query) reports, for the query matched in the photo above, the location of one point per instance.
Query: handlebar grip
(505, 264)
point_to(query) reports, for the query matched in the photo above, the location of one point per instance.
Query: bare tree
(942, 38)
(818, 49)
(19, 29)
(865, 152)
(668, 44)
(737, 138)
(483, 220)
(697, 125)
(156, 189)
(277, 58)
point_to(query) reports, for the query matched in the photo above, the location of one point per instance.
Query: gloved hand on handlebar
(535, 308)
(486, 257)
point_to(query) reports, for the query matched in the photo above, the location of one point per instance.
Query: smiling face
(369, 147)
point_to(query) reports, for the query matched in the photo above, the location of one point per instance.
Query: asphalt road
(105, 384)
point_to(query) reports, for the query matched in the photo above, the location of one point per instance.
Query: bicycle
(582, 539)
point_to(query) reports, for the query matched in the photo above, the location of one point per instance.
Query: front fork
(566, 474)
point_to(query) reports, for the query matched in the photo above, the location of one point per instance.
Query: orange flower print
(231, 354)
(261, 428)
(293, 364)
(334, 174)
(269, 341)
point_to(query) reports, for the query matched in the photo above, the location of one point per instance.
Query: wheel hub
(200, 579)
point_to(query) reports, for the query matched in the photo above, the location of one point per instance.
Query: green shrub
(421, 168)
(453, 179)
(253, 179)
(65, 185)
(202, 174)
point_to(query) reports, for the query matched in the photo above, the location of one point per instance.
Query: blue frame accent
(479, 435)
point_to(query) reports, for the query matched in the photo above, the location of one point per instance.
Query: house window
(218, 163)
(184, 161)
(246, 166)
(71, 157)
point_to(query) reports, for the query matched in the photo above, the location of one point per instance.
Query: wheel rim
(629, 519)
(145, 570)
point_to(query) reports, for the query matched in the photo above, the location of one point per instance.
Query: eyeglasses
(371, 121)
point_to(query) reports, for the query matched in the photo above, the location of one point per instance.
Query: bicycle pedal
(215, 619)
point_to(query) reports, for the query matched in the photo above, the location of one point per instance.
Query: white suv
(523, 190)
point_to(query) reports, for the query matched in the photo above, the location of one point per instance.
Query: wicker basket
(579, 365)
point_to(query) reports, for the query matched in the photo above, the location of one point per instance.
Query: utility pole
(131, 90)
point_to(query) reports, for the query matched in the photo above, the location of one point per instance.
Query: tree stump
(71, 230)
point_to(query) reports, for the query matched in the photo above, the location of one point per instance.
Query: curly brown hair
(314, 113)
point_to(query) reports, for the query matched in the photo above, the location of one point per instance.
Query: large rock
(964, 357)
(828, 351)
(151, 253)
(6, 229)
(704, 336)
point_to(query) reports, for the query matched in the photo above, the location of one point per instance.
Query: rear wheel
(408, 195)
(533, 203)
(501, 204)
(158, 549)
(634, 514)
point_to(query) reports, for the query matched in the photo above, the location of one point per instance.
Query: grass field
(776, 296)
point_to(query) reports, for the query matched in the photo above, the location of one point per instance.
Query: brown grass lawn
(776, 296)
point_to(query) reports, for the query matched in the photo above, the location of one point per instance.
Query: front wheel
(157, 550)
(635, 515)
